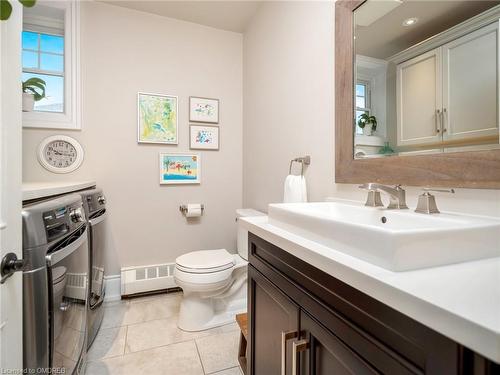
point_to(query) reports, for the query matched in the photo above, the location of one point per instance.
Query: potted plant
(367, 123)
(6, 7)
(33, 91)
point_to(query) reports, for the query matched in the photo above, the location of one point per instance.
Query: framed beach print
(203, 137)
(157, 118)
(180, 169)
(203, 110)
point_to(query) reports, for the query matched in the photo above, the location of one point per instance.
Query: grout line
(223, 369)
(126, 338)
(199, 356)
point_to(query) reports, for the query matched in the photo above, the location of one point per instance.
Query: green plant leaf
(28, 3)
(36, 86)
(5, 10)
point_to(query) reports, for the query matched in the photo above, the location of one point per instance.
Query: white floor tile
(219, 352)
(109, 342)
(161, 332)
(138, 312)
(177, 359)
(229, 371)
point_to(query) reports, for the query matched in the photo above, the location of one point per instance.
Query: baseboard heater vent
(147, 278)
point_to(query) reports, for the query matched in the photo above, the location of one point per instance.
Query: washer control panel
(62, 220)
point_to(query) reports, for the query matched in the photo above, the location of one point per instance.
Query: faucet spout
(397, 194)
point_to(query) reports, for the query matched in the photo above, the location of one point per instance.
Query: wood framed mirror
(468, 167)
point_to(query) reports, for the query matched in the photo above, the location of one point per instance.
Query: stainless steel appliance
(55, 285)
(94, 204)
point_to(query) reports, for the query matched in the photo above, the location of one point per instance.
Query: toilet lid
(58, 273)
(205, 261)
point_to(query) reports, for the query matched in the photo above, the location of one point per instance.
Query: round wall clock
(60, 154)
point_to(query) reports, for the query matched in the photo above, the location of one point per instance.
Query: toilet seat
(205, 261)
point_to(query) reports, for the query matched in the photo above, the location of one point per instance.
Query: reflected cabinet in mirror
(417, 86)
(426, 76)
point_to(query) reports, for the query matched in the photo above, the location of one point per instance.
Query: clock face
(60, 154)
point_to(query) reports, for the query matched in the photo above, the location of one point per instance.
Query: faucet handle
(439, 190)
(427, 202)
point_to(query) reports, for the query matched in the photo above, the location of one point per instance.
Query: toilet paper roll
(193, 210)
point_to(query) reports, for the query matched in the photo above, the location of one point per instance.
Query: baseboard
(152, 293)
(113, 288)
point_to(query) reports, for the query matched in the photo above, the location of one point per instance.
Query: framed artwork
(157, 118)
(180, 169)
(203, 110)
(203, 137)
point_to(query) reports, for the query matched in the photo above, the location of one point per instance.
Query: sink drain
(383, 219)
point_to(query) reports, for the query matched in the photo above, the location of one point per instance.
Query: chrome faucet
(397, 195)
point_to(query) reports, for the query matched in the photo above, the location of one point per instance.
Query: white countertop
(460, 301)
(36, 190)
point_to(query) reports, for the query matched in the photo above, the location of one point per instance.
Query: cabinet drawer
(390, 341)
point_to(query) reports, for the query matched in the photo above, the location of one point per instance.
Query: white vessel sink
(398, 240)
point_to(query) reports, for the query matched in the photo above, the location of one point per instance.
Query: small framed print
(203, 110)
(203, 137)
(180, 168)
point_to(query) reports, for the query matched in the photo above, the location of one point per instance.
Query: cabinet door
(271, 316)
(470, 85)
(419, 99)
(322, 353)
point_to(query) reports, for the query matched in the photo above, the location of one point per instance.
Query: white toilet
(214, 283)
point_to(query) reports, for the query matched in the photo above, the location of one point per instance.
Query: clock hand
(61, 153)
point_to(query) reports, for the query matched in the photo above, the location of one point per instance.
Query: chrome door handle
(285, 336)
(64, 306)
(298, 347)
(9, 265)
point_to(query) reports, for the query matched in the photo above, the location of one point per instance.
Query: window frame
(71, 117)
(367, 108)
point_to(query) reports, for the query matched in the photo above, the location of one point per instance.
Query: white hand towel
(295, 189)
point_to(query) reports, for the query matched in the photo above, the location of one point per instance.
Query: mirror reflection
(426, 77)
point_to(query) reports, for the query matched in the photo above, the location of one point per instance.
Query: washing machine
(55, 286)
(94, 204)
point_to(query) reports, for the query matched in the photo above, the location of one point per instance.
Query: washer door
(68, 301)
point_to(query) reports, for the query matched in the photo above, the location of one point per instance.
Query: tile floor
(140, 336)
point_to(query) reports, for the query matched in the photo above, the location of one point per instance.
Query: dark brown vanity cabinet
(304, 320)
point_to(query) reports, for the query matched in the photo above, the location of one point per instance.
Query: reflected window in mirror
(362, 102)
(428, 72)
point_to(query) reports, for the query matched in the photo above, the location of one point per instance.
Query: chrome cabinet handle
(444, 113)
(438, 121)
(285, 336)
(298, 346)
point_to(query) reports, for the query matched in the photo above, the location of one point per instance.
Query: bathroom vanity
(314, 310)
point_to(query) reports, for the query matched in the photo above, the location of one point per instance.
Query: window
(50, 42)
(43, 57)
(362, 101)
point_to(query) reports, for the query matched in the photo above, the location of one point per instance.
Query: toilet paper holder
(184, 208)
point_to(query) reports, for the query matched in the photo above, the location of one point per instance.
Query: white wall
(288, 99)
(123, 52)
(289, 109)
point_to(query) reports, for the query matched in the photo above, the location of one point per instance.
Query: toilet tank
(242, 232)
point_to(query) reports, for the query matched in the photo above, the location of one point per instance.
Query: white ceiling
(226, 15)
(385, 36)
